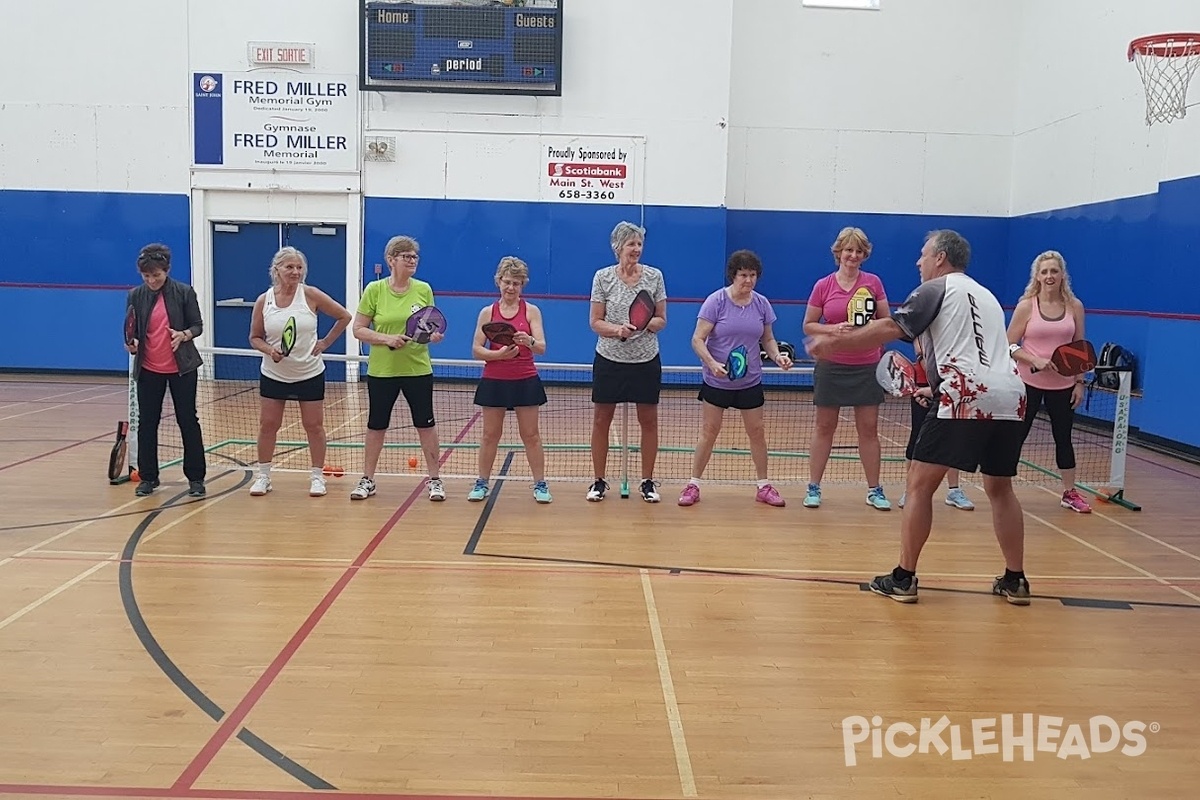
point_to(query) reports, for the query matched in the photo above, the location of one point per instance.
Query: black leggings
(152, 389)
(1062, 419)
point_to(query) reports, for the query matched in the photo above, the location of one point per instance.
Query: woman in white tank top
(300, 375)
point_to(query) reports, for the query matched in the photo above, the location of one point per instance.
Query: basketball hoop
(1166, 62)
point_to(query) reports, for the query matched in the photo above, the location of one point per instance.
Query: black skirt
(617, 382)
(493, 393)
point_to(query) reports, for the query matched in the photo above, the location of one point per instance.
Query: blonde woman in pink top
(843, 301)
(1048, 315)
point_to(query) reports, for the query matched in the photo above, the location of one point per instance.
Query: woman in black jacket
(168, 319)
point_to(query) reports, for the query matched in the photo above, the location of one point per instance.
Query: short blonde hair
(511, 265)
(287, 254)
(1032, 289)
(401, 244)
(850, 237)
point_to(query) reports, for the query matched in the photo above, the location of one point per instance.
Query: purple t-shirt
(735, 326)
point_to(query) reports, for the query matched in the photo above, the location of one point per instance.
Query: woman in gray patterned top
(627, 371)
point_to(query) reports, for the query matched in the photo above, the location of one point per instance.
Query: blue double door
(242, 253)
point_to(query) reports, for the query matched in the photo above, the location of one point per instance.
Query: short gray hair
(952, 243)
(400, 244)
(623, 233)
(287, 254)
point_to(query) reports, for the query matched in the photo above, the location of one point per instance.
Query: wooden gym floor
(285, 646)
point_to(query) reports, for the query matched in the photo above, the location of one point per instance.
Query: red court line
(233, 720)
(260, 794)
(52, 452)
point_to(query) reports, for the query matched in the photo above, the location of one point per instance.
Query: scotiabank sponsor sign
(591, 170)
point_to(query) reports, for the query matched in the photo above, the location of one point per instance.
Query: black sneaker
(650, 491)
(196, 489)
(596, 493)
(886, 585)
(145, 488)
(1015, 591)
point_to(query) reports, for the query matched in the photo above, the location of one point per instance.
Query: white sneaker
(316, 488)
(365, 489)
(261, 485)
(437, 492)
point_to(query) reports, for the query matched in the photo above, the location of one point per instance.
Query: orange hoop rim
(1166, 45)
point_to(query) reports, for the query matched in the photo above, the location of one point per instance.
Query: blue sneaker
(958, 498)
(813, 498)
(541, 492)
(479, 491)
(876, 499)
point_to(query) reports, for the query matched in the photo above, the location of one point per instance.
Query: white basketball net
(1166, 67)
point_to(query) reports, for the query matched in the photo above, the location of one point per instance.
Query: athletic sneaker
(196, 489)
(261, 485)
(145, 488)
(768, 495)
(650, 491)
(813, 498)
(1073, 500)
(958, 498)
(1015, 591)
(437, 491)
(316, 486)
(479, 491)
(365, 489)
(876, 499)
(541, 492)
(690, 495)
(886, 585)
(596, 493)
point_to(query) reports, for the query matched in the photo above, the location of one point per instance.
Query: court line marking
(69, 531)
(254, 794)
(95, 438)
(683, 761)
(234, 719)
(1132, 529)
(477, 565)
(113, 558)
(1116, 558)
(46, 398)
(60, 405)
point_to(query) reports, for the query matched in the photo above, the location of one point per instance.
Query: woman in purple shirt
(730, 326)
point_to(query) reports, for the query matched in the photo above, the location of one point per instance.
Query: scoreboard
(502, 47)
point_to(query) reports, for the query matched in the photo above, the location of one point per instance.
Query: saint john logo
(861, 308)
(208, 83)
(1011, 736)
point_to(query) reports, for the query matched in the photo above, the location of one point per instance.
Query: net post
(625, 451)
(1120, 443)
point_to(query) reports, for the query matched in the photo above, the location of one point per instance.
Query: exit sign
(280, 53)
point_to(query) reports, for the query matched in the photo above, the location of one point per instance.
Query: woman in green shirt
(396, 363)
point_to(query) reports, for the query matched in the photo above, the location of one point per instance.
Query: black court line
(172, 671)
(1077, 602)
(481, 523)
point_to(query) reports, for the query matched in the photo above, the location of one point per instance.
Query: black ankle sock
(1010, 576)
(902, 576)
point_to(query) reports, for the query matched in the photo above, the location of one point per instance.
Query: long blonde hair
(1033, 288)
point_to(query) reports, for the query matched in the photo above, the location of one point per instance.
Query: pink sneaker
(690, 495)
(1073, 500)
(768, 495)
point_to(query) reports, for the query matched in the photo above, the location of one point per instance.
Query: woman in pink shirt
(847, 299)
(1048, 315)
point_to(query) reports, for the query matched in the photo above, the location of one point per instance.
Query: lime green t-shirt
(389, 313)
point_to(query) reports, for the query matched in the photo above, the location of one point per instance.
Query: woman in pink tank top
(1048, 315)
(510, 379)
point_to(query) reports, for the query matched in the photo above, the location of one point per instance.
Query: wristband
(1013, 348)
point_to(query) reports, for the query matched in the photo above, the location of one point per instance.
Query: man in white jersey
(980, 403)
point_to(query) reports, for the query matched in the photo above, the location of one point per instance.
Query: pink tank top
(1041, 337)
(511, 369)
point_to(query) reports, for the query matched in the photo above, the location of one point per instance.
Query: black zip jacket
(183, 314)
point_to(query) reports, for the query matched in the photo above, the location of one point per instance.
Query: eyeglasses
(408, 256)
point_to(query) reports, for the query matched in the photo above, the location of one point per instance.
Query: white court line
(52, 408)
(110, 559)
(68, 532)
(682, 761)
(1115, 558)
(16, 403)
(1132, 529)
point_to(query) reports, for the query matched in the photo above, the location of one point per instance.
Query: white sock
(763, 483)
(694, 482)
(264, 470)
(318, 472)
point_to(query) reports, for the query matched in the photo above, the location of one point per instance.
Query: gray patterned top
(616, 295)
